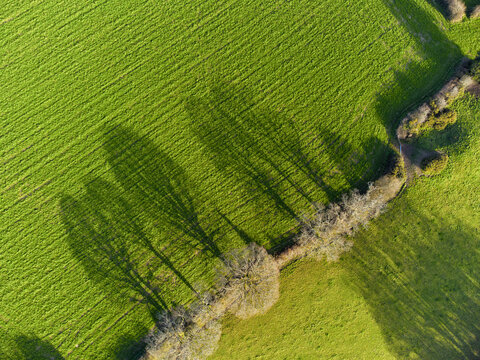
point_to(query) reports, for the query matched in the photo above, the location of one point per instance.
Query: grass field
(318, 316)
(140, 141)
(414, 269)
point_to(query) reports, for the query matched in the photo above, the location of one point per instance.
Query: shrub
(441, 120)
(250, 279)
(456, 9)
(438, 103)
(412, 125)
(330, 226)
(475, 12)
(179, 337)
(433, 165)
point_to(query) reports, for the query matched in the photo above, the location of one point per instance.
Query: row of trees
(248, 280)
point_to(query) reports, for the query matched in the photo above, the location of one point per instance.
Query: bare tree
(249, 280)
(457, 10)
(179, 337)
(475, 12)
(329, 228)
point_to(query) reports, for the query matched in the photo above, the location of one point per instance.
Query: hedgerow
(329, 229)
(475, 70)
(441, 120)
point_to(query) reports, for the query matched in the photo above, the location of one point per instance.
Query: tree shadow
(471, 4)
(33, 348)
(23, 347)
(248, 143)
(129, 348)
(158, 185)
(265, 150)
(422, 291)
(419, 80)
(242, 234)
(343, 156)
(103, 236)
(441, 6)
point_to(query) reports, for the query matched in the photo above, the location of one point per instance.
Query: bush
(179, 337)
(434, 164)
(329, 228)
(250, 279)
(412, 125)
(456, 9)
(441, 120)
(475, 12)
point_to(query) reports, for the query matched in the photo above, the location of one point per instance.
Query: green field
(139, 141)
(318, 316)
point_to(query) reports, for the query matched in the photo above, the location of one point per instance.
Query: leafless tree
(250, 280)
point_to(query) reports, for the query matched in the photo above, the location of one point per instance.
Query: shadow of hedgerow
(125, 235)
(420, 279)
(268, 153)
(23, 347)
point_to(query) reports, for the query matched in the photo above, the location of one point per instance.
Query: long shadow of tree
(263, 149)
(441, 6)
(33, 348)
(103, 235)
(471, 4)
(248, 143)
(343, 156)
(129, 347)
(423, 290)
(158, 185)
(110, 228)
(23, 347)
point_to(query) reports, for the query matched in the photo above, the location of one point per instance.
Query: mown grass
(414, 269)
(122, 178)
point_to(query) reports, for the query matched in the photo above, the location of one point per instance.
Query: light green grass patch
(318, 316)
